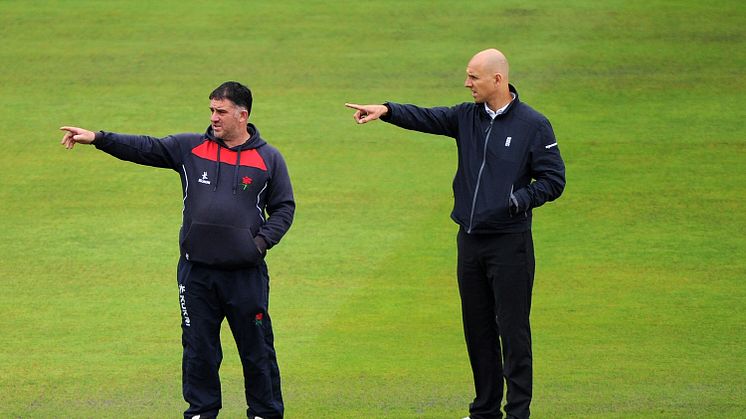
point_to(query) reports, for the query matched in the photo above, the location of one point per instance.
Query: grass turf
(638, 303)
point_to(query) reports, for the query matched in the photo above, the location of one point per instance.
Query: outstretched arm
(439, 120)
(141, 149)
(367, 113)
(75, 135)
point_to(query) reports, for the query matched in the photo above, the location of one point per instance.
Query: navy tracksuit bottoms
(495, 278)
(207, 296)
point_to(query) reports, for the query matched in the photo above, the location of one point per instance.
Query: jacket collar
(481, 106)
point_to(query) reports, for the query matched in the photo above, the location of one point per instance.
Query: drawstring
(235, 173)
(217, 169)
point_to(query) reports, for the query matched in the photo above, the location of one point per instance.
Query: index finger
(354, 106)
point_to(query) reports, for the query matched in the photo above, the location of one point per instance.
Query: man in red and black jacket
(238, 203)
(508, 164)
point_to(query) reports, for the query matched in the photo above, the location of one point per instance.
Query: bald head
(487, 78)
(492, 62)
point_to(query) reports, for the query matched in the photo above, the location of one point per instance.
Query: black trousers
(495, 278)
(206, 297)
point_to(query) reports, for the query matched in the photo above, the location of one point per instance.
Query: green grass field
(639, 300)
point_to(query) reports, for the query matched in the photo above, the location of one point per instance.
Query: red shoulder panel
(209, 150)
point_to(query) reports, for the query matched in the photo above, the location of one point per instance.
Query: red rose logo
(246, 181)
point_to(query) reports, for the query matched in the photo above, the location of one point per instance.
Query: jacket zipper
(479, 176)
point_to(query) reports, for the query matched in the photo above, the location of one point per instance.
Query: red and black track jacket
(236, 200)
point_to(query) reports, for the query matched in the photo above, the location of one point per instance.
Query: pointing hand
(367, 113)
(76, 135)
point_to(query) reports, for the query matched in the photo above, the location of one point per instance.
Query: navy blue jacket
(515, 155)
(236, 200)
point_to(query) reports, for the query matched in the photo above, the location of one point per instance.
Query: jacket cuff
(261, 244)
(99, 140)
(387, 116)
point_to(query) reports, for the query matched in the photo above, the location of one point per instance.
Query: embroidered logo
(258, 319)
(204, 179)
(507, 141)
(182, 302)
(246, 181)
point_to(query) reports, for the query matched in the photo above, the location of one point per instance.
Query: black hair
(235, 92)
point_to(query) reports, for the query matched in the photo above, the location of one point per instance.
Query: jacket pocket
(220, 246)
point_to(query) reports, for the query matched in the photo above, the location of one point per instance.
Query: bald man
(509, 163)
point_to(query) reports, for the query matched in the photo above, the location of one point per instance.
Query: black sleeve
(141, 149)
(280, 202)
(547, 170)
(438, 120)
